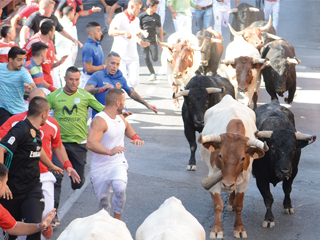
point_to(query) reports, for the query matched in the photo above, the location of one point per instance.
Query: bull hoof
(192, 167)
(230, 208)
(238, 234)
(288, 211)
(214, 235)
(268, 224)
(286, 100)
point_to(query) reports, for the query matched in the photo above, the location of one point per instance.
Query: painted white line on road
(73, 198)
(150, 90)
(314, 75)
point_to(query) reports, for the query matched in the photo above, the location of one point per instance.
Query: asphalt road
(157, 170)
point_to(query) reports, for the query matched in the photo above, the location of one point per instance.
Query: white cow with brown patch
(229, 147)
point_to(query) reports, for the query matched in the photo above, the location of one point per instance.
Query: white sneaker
(152, 77)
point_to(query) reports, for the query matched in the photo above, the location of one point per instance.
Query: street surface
(157, 170)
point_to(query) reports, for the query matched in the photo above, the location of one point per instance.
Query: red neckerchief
(127, 14)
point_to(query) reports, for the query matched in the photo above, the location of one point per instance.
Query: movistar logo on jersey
(65, 109)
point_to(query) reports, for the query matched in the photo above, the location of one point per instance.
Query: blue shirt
(101, 78)
(12, 88)
(92, 52)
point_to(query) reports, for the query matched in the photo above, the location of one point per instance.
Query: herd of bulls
(232, 134)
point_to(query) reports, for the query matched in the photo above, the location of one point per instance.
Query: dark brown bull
(211, 52)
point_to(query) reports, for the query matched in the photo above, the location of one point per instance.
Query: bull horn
(162, 44)
(292, 60)
(307, 137)
(253, 9)
(258, 60)
(263, 134)
(273, 36)
(215, 90)
(233, 10)
(227, 61)
(211, 138)
(234, 32)
(198, 48)
(216, 40)
(212, 180)
(181, 93)
(257, 143)
(267, 26)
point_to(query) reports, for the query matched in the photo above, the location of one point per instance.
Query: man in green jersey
(70, 105)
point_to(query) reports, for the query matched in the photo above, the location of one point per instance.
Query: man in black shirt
(20, 151)
(33, 23)
(150, 20)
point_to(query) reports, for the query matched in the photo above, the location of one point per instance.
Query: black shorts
(28, 206)
(4, 116)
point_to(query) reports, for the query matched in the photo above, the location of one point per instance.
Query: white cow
(99, 226)
(242, 66)
(171, 222)
(229, 147)
(181, 56)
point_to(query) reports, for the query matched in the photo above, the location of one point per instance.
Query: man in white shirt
(125, 30)
(63, 45)
(221, 10)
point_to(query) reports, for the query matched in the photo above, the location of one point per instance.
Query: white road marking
(150, 90)
(73, 198)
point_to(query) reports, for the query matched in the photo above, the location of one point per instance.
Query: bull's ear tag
(211, 148)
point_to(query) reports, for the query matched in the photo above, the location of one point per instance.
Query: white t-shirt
(222, 6)
(126, 48)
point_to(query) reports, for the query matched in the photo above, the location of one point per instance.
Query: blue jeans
(203, 18)
(258, 3)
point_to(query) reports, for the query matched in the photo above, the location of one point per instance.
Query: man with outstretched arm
(109, 166)
(111, 77)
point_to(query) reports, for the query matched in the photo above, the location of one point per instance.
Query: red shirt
(7, 222)
(4, 49)
(27, 11)
(47, 65)
(50, 134)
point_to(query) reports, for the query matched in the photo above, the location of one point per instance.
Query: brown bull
(182, 57)
(229, 136)
(253, 35)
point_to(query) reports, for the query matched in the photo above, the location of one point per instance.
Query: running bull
(280, 164)
(228, 148)
(182, 57)
(202, 92)
(242, 65)
(211, 51)
(280, 69)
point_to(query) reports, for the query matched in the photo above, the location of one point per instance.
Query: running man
(20, 150)
(109, 166)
